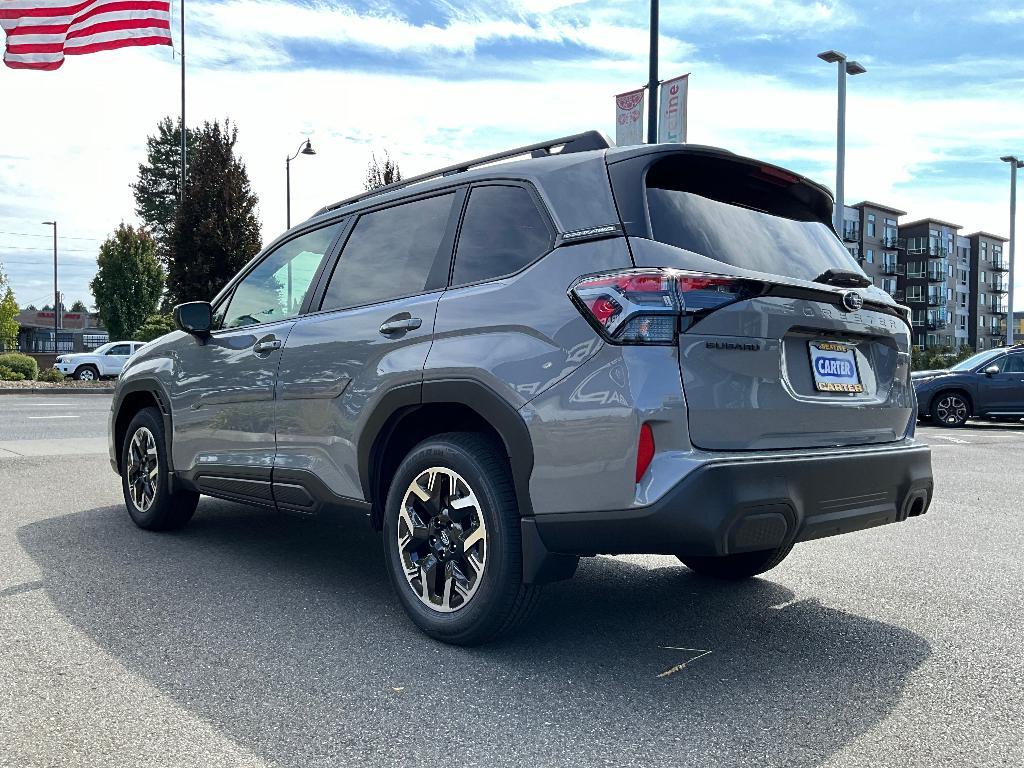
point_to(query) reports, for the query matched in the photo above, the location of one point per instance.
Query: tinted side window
(1013, 364)
(276, 288)
(120, 349)
(502, 232)
(389, 254)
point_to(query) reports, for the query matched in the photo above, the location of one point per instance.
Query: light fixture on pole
(56, 293)
(1014, 165)
(845, 68)
(304, 149)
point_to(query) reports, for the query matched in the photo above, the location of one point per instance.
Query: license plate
(834, 367)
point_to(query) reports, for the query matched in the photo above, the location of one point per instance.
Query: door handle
(264, 346)
(397, 326)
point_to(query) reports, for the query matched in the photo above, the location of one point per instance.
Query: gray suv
(509, 365)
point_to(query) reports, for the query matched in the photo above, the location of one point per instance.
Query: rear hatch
(776, 351)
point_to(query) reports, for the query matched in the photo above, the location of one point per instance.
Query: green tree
(79, 306)
(380, 174)
(156, 325)
(128, 282)
(8, 315)
(216, 231)
(157, 189)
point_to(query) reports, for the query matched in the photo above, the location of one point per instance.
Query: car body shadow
(267, 624)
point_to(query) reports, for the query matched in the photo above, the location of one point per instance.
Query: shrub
(6, 374)
(19, 363)
(50, 374)
(155, 327)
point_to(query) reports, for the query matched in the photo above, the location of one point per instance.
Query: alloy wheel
(143, 469)
(86, 374)
(442, 539)
(951, 409)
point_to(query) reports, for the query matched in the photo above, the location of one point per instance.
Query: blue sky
(434, 82)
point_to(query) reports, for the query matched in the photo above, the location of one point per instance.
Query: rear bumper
(742, 505)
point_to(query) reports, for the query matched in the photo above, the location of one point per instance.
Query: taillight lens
(644, 450)
(647, 306)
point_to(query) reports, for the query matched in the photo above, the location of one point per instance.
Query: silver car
(510, 365)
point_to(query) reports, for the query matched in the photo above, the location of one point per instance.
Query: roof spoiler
(580, 142)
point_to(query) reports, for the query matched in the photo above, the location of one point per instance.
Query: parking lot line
(63, 416)
(951, 439)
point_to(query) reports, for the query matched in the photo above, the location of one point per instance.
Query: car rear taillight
(648, 306)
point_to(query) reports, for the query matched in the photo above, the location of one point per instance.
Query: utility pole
(652, 82)
(56, 293)
(1014, 165)
(184, 131)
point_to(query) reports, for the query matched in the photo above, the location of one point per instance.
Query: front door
(1003, 392)
(112, 361)
(223, 387)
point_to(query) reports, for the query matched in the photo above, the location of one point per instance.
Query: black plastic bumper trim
(728, 507)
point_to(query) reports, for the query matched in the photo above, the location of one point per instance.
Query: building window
(982, 276)
(981, 299)
(949, 294)
(963, 299)
(889, 285)
(869, 256)
(963, 277)
(871, 225)
(963, 322)
(915, 269)
(915, 293)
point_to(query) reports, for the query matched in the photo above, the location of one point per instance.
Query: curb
(56, 391)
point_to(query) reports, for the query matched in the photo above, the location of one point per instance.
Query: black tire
(87, 373)
(950, 408)
(740, 566)
(499, 601)
(166, 511)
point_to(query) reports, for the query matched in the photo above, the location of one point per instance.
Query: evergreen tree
(216, 230)
(380, 174)
(79, 306)
(129, 281)
(8, 315)
(157, 189)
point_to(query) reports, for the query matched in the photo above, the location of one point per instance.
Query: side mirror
(991, 370)
(195, 317)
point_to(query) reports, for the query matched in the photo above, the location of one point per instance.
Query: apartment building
(989, 284)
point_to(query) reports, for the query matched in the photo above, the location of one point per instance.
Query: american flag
(41, 32)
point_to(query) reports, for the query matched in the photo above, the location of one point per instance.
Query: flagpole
(183, 129)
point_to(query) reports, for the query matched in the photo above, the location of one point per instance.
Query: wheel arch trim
(154, 389)
(478, 397)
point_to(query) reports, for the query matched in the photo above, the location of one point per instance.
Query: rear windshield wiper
(842, 277)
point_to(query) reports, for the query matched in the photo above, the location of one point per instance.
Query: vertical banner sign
(629, 118)
(672, 111)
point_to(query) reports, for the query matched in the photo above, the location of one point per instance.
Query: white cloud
(80, 132)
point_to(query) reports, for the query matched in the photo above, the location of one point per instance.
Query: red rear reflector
(644, 450)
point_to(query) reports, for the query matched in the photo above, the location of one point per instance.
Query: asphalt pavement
(252, 639)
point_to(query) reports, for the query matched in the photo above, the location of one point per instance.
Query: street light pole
(1014, 165)
(304, 149)
(845, 68)
(652, 82)
(56, 293)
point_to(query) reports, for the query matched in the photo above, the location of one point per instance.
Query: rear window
(749, 216)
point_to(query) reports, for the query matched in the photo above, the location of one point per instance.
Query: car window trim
(538, 203)
(436, 268)
(223, 299)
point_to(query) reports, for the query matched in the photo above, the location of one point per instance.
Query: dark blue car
(989, 385)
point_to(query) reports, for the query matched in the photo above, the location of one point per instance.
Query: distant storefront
(78, 332)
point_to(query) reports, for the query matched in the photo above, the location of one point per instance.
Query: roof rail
(580, 142)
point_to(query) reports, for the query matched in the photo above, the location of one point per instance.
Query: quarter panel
(522, 334)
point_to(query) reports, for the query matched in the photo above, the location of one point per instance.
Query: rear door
(781, 359)
(113, 360)
(369, 336)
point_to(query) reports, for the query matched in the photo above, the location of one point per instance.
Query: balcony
(997, 330)
(892, 268)
(899, 295)
(998, 265)
(997, 286)
(891, 242)
(936, 299)
(851, 232)
(936, 275)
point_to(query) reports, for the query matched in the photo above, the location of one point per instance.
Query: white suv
(107, 360)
